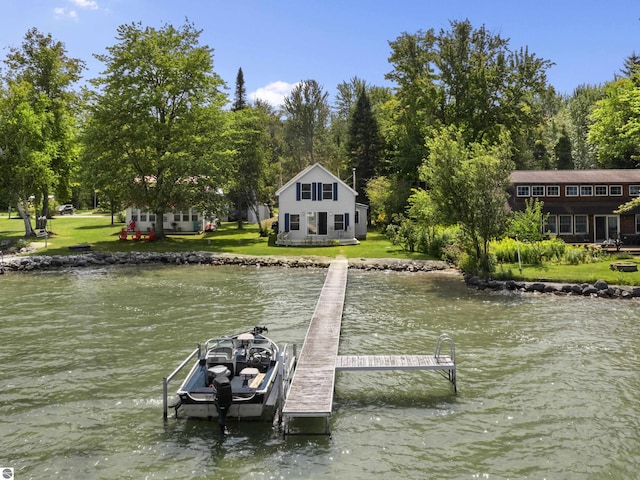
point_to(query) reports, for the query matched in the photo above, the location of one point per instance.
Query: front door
(607, 227)
(322, 223)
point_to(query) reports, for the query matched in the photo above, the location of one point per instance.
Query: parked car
(66, 208)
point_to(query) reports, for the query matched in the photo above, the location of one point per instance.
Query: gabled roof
(307, 170)
(631, 175)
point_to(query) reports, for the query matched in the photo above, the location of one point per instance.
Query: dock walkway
(312, 385)
(311, 390)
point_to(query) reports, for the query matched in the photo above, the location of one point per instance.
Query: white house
(317, 208)
(189, 220)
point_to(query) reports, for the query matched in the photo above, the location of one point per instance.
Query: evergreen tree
(240, 100)
(364, 142)
(631, 64)
(564, 159)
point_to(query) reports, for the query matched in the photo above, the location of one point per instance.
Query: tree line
(155, 129)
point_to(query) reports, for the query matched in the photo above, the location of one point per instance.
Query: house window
(338, 221)
(565, 225)
(176, 217)
(537, 191)
(194, 217)
(634, 190)
(294, 221)
(134, 215)
(580, 224)
(152, 217)
(601, 190)
(357, 216)
(637, 223)
(553, 191)
(615, 190)
(185, 216)
(312, 223)
(523, 191)
(327, 191)
(143, 216)
(586, 190)
(550, 225)
(305, 191)
(571, 191)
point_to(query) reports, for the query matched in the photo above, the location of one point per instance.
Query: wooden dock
(311, 390)
(312, 385)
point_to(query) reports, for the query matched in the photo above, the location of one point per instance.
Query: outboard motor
(224, 398)
(259, 330)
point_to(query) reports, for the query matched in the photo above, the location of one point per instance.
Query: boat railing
(287, 367)
(166, 380)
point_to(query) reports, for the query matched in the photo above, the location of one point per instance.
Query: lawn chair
(123, 235)
(151, 237)
(137, 236)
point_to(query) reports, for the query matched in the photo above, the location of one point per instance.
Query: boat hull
(249, 364)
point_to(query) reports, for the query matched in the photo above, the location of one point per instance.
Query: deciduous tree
(42, 66)
(306, 111)
(467, 185)
(615, 128)
(156, 121)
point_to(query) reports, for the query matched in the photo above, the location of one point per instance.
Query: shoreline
(32, 263)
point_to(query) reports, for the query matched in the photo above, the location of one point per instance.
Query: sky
(278, 43)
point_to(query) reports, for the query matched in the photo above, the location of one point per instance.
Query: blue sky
(280, 42)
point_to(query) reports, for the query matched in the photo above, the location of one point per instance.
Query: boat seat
(219, 355)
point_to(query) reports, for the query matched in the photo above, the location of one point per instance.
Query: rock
(601, 285)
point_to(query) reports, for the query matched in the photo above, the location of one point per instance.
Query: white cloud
(71, 13)
(60, 12)
(273, 93)
(90, 4)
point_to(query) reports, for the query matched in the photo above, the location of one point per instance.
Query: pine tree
(631, 64)
(240, 100)
(564, 159)
(364, 143)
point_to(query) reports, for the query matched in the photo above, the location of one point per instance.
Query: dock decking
(311, 390)
(312, 385)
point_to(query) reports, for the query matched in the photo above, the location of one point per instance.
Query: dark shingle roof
(576, 176)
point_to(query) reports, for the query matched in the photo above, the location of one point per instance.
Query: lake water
(547, 385)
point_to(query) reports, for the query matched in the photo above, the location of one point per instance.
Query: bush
(554, 250)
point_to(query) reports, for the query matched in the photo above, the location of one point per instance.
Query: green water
(548, 385)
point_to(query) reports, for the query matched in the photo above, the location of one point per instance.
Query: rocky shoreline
(598, 289)
(98, 259)
(17, 263)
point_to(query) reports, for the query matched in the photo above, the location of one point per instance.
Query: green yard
(98, 232)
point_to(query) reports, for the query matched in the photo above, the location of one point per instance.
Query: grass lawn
(582, 273)
(98, 232)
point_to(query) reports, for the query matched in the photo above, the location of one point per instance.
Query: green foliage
(466, 77)
(526, 225)
(37, 124)
(383, 200)
(307, 113)
(364, 142)
(466, 186)
(248, 138)
(579, 109)
(616, 124)
(539, 253)
(156, 122)
(240, 98)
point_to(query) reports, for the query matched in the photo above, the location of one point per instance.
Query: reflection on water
(547, 384)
